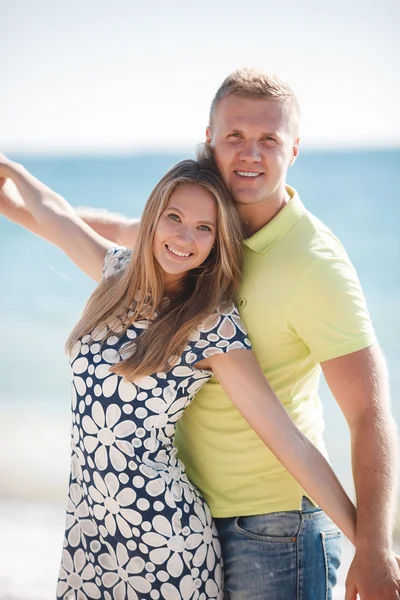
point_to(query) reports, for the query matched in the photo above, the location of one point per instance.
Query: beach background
(99, 101)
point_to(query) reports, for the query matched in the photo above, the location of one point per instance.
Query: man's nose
(250, 151)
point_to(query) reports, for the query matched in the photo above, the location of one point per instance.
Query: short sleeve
(116, 260)
(329, 312)
(220, 333)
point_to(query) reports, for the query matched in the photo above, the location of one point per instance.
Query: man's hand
(374, 575)
(359, 382)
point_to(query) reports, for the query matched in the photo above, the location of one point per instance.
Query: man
(304, 308)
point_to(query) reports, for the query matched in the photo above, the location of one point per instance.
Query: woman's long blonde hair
(137, 292)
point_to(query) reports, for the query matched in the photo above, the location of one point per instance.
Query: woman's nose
(185, 234)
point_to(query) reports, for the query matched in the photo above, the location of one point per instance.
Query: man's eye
(235, 135)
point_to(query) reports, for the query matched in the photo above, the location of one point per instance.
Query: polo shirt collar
(273, 231)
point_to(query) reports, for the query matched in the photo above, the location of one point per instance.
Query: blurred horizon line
(160, 151)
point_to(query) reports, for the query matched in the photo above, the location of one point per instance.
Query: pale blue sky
(97, 76)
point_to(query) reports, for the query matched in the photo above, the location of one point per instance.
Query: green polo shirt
(302, 303)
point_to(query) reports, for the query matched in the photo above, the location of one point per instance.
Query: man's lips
(248, 174)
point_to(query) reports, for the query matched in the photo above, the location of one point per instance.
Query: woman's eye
(204, 228)
(173, 216)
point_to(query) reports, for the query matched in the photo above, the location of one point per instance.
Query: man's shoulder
(308, 235)
(314, 240)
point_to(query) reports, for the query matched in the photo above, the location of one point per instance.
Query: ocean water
(42, 294)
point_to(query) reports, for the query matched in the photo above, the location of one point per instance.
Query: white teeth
(183, 254)
(247, 174)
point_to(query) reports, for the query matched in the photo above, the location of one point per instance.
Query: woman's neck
(172, 284)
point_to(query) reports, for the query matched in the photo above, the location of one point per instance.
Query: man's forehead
(235, 111)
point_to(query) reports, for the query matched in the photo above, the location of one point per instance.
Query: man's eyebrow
(262, 134)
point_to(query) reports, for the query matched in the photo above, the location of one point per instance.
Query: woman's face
(185, 232)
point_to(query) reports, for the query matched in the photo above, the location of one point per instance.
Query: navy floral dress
(136, 527)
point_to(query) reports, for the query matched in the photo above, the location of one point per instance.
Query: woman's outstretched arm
(13, 207)
(112, 226)
(57, 221)
(240, 374)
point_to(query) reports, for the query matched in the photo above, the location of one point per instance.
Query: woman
(158, 326)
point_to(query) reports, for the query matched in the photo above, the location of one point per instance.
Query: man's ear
(295, 151)
(208, 135)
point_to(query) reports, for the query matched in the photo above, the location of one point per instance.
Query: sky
(94, 76)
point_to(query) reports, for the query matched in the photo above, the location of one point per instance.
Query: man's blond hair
(255, 83)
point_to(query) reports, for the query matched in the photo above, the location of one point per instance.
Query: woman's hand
(13, 207)
(6, 166)
(29, 202)
(11, 203)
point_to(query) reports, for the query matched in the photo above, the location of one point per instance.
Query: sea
(42, 295)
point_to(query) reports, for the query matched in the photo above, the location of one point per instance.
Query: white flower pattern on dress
(77, 518)
(168, 542)
(137, 528)
(75, 578)
(204, 538)
(111, 505)
(122, 573)
(105, 436)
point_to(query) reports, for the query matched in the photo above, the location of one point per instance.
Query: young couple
(162, 322)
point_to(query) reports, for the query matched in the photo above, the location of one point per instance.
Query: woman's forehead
(194, 201)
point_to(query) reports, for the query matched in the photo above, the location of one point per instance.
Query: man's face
(254, 143)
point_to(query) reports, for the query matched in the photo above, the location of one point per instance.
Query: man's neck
(256, 216)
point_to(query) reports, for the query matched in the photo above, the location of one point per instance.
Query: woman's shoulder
(116, 260)
(225, 320)
(219, 333)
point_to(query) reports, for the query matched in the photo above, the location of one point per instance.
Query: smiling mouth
(178, 253)
(249, 174)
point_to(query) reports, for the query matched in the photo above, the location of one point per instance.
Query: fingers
(351, 591)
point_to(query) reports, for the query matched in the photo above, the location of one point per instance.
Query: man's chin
(245, 199)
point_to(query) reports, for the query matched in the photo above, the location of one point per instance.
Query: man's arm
(359, 383)
(330, 315)
(112, 226)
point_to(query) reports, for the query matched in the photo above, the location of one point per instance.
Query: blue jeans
(280, 556)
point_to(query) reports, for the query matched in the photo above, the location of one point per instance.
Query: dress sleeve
(116, 260)
(220, 333)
